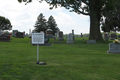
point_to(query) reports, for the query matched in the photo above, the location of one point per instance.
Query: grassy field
(78, 61)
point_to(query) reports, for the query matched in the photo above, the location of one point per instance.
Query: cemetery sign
(37, 38)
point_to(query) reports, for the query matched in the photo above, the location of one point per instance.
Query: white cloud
(23, 17)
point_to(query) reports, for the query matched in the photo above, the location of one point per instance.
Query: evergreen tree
(51, 23)
(40, 24)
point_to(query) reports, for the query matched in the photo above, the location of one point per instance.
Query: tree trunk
(95, 33)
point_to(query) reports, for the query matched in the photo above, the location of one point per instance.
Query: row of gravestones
(4, 37)
(77, 36)
(18, 34)
(71, 38)
(111, 36)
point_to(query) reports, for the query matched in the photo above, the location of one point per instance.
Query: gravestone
(14, 32)
(86, 35)
(114, 48)
(81, 35)
(70, 38)
(5, 38)
(58, 33)
(106, 37)
(6, 34)
(118, 36)
(66, 36)
(19, 35)
(77, 36)
(91, 41)
(46, 40)
(60, 36)
(49, 33)
(26, 35)
(73, 34)
(29, 31)
(113, 36)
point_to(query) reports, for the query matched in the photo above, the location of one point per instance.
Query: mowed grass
(78, 61)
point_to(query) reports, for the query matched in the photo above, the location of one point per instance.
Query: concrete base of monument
(61, 39)
(113, 52)
(41, 63)
(69, 42)
(57, 42)
(91, 41)
(19, 37)
(46, 44)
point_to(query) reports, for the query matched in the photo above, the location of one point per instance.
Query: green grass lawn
(78, 61)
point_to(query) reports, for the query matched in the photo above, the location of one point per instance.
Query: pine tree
(40, 24)
(52, 24)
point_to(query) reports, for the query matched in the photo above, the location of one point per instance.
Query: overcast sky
(23, 17)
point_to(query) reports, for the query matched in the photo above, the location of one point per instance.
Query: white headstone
(70, 38)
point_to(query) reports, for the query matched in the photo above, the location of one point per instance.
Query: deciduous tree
(93, 8)
(5, 23)
(112, 18)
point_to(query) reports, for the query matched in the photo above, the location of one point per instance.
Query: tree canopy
(93, 8)
(112, 18)
(5, 24)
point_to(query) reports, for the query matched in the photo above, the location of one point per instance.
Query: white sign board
(37, 38)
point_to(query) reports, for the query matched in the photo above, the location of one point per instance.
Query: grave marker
(60, 36)
(70, 38)
(5, 38)
(114, 48)
(73, 34)
(113, 36)
(14, 32)
(91, 41)
(19, 35)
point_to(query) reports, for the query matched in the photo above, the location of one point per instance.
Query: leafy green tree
(112, 18)
(5, 24)
(40, 24)
(51, 23)
(93, 8)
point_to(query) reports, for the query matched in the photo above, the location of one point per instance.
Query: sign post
(38, 38)
(37, 53)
